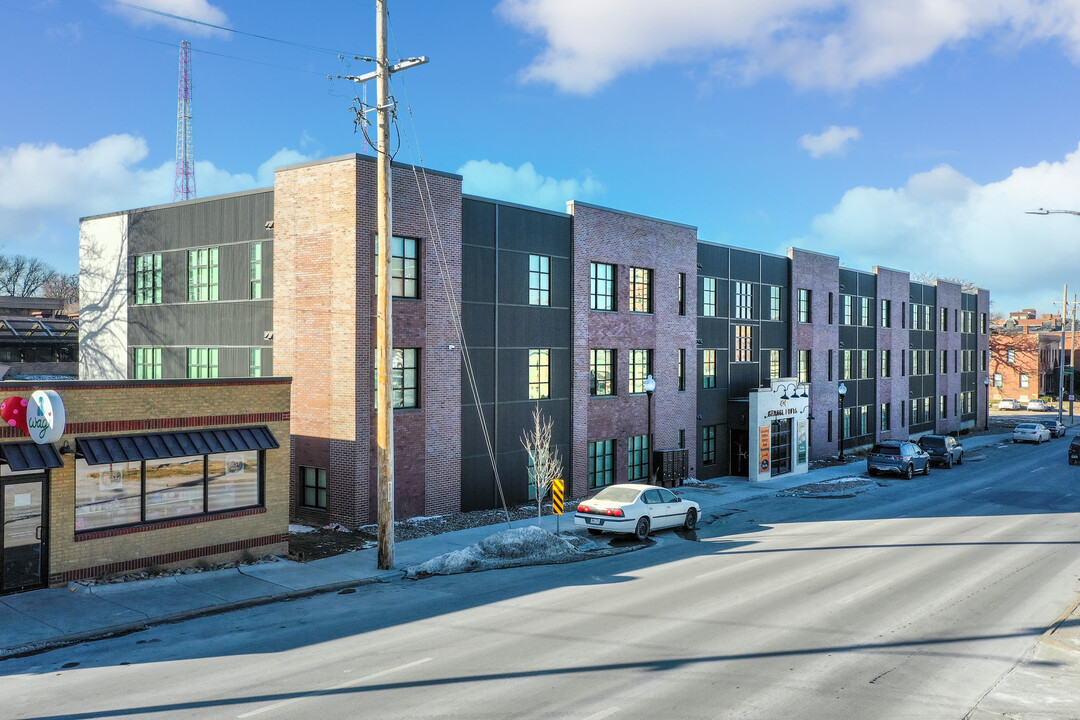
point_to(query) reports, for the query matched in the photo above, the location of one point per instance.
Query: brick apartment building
(1026, 356)
(571, 311)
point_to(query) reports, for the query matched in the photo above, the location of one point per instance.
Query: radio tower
(184, 184)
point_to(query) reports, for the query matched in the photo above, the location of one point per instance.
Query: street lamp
(1064, 312)
(986, 384)
(650, 388)
(840, 393)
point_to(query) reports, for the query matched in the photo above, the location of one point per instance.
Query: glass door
(24, 535)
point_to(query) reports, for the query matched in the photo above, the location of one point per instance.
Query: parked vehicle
(897, 456)
(1037, 405)
(1074, 450)
(1056, 427)
(942, 449)
(1008, 404)
(636, 508)
(1030, 432)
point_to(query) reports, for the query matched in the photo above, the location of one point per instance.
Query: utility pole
(1072, 362)
(384, 410)
(1061, 373)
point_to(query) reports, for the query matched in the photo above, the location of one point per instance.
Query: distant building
(1026, 355)
(36, 338)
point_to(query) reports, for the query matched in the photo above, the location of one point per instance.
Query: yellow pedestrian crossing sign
(557, 496)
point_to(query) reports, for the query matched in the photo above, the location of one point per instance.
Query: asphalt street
(913, 599)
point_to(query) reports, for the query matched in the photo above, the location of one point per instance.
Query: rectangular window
(903, 323)
(943, 363)
(982, 322)
(640, 368)
(539, 280)
(314, 487)
(641, 290)
(846, 305)
(148, 279)
(202, 362)
(1010, 356)
(902, 415)
(968, 317)
(944, 319)
(601, 463)
(405, 268)
(405, 377)
(829, 426)
(803, 370)
(255, 362)
(638, 458)
(147, 363)
(830, 309)
(886, 363)
(830, 366)
(928, 317)
(681, 369)
(744, 343)
(601, 286)
(708, 297)
(682, 439)
(915, 315)
(885, 421)
(107, 495)
(864, 420)
(804, 305)
(202, 275)
(914, 412)
(708, 369)
(682, 294)
(944, 402)
(864, 311)
(866, 364)
(845, 364)
(998, 380)
(255, 285)
(539, 374)
(846, 419)
(1023, 380)
(174, 487)
(774, 364)
(708, 445)
(601, 372)
(886, 313)
(985, 360)
(744, 300)
(774, 302)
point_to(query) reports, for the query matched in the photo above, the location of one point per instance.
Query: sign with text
(765, 443)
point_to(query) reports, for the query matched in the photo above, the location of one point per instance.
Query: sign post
(557, 501)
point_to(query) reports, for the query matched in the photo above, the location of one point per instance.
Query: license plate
(593, 521)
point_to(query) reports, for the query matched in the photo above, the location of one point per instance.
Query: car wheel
(594, 531)
(960, 460)
(641, 531)
(691, 519)
(926, 470)
(909, 472)
(948, 462)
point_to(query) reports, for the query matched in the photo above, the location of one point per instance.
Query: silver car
(1037, 405)
(1030, 432)
(897, 456)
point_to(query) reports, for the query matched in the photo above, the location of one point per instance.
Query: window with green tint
(539, 280)
(148, 279)
(256, 270)
(539, 374)
(638, 458)
(744, 300)
(202, 274)
(774, 302)
(255, 362)
(708, 297)
(405, 377)
(601, 463)
(640, 368)
(601, 286)
(708, 369)
(314, 487)
(147, 363)
(601, 372)
(708, 445)
(641, 290)
(405, 268)
(202, 362)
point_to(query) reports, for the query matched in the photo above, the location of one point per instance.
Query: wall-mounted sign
(46, 418)
(13, 411)
(765, 435)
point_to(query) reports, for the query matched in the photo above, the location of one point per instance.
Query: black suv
(943, 449)
(1074, 450)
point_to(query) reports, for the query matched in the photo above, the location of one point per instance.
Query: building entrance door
(780, 447)
(25, 531)
(740, 452)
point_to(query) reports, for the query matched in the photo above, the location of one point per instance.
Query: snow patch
(530, 545)
(300, 528)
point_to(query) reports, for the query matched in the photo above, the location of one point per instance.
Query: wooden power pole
(384, 410)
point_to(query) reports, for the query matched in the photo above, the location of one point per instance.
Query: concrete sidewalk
(39, 619)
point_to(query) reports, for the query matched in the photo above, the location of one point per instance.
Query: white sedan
(1030, 432)
(635, 508)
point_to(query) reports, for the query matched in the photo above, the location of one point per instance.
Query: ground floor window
(885, 423)
(708, 445)
(127, 493)
(601, 463)
(313, 487)
(638, 458)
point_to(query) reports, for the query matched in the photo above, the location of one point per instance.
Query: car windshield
(935, 442)
(885, 450)
(617, 494)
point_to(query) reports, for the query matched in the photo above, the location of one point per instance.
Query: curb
(35, 648)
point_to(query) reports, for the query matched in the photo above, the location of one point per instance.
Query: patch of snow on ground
(530, 545)
(300, 528)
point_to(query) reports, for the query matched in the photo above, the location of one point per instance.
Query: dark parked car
(1074, 450)
(1056, 428)
(897, 456)
(942, 449)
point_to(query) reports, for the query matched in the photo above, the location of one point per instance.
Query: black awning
(21, 456)
(129, 448)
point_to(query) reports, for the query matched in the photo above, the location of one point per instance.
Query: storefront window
(107, 495)
(233, 480)
(174, 487)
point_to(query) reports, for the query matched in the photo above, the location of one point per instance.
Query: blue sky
(907, 134)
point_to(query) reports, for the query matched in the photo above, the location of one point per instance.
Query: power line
(230, 30)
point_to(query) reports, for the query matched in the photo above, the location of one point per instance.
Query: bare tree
(545, 461)
(65, 287)
(23, 276)
(926, 278)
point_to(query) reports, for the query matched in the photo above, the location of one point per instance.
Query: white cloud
(833, 141)
(944, 223)
(45, 189)
(831, 44)
(524, 185)
(199, 10)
